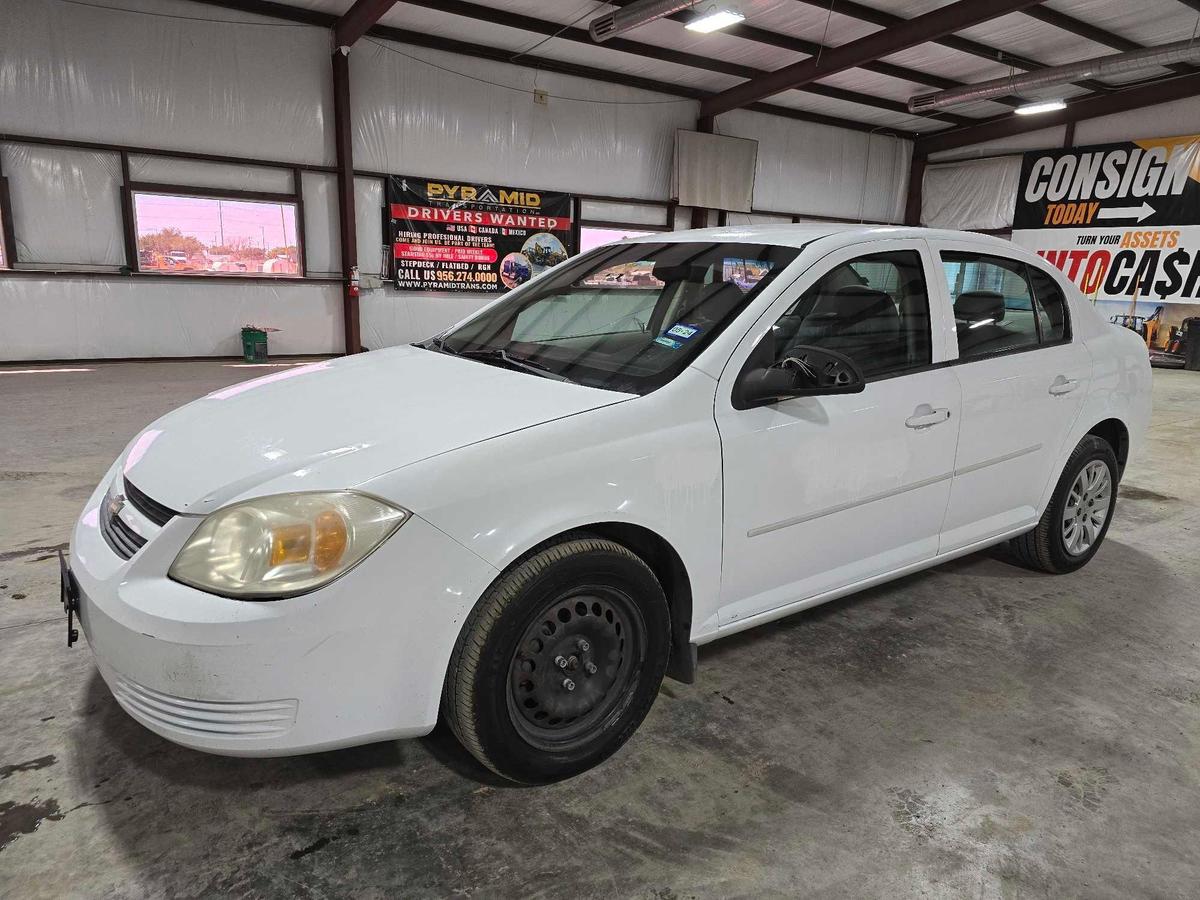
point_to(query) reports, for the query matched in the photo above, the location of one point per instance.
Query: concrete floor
(977, 730)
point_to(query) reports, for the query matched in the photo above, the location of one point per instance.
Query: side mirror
(805, 372)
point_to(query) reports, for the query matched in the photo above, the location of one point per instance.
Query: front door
(824, 492)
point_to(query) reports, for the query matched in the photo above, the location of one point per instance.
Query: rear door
(824, 492)
(1023, 381)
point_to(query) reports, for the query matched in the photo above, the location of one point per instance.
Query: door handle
(1063, 385)
(925, 415)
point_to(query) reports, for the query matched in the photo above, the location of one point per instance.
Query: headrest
(857, 302)
(976, 306)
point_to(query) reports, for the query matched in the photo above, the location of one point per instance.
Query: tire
(1047, 546)
(582, 611)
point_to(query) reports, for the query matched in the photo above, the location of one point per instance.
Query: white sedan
(522, 524)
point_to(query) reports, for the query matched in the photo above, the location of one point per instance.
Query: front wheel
(1078, 515)
(560, 661)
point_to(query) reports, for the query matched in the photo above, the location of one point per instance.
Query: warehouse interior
(976, 729)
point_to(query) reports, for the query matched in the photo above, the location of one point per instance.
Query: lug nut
(568, 684)
(591, 668)
(560, 661)
(584, 645)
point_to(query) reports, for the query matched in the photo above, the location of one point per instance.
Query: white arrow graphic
(1127, 212)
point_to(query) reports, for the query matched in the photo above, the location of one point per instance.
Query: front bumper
(360, 660)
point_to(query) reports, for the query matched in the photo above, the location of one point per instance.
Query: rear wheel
(1078, 515)
(560, 660)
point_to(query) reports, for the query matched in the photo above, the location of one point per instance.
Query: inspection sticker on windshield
(668, 342)
(683, 331)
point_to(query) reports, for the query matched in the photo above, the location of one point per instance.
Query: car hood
(338, 423)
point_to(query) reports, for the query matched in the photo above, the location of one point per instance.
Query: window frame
(132, 189)
(8, 240)
(922, 260)
(941, 248)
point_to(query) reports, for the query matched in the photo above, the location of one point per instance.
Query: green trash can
(254, 344)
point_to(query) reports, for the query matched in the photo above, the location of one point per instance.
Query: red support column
(343, 140)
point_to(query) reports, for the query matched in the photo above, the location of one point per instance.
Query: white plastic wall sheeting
(820, 170)
(368, 220)
(388, 318)
(414, 116)
(625, 213)
(1167, 120)
(218, 81)
(1017, 143)
(756, 219)
(106, 317)
(66, 206)
(218, 176)
(321, 223)
(715, 171)
(978, 194)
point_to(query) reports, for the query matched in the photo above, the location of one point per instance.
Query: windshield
(628, 317)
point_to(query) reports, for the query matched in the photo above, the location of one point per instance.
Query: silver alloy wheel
(1087, 507)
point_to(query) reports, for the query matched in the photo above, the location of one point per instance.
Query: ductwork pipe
(1114, 64)
(633, 15)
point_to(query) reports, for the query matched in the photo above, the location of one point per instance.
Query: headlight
(283, 545)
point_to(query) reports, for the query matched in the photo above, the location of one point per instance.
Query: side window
(993, 304)
(1051, 306)
(874, 309)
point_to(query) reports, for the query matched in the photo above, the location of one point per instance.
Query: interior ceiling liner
(976, 194)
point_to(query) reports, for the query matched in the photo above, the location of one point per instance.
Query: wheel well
(1117, 436)
(661, 557)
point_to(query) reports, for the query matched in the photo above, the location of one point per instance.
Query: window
(874, 309)
(994, 309)
(216, 235)
(626, 318)
(591, 237)
(5, 262)
(1051, 306)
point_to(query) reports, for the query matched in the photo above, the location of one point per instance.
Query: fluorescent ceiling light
(1032, 109)
(714, 21)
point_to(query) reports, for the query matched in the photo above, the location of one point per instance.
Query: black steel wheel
(560, 660)
(573, 666)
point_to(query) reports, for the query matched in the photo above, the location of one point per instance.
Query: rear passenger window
(1051, 306)
(993, 304)
(874, 309)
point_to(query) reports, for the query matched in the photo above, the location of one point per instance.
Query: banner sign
(473, 237)
(1121, 220)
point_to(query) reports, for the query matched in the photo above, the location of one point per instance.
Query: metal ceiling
(777, 34)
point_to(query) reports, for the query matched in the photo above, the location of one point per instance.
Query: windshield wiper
(500, 355)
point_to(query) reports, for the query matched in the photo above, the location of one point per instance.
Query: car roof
(798, 235)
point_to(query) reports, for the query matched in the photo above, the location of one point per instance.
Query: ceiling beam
(911, 33)
(529, 61)
(1093, 33)
(534, 25)
(357, 19)
(863, 13)
(809, 48)
(1161, 91)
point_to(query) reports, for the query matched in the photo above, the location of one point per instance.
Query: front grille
(205, 718)
(153, 510)
(124, 540)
